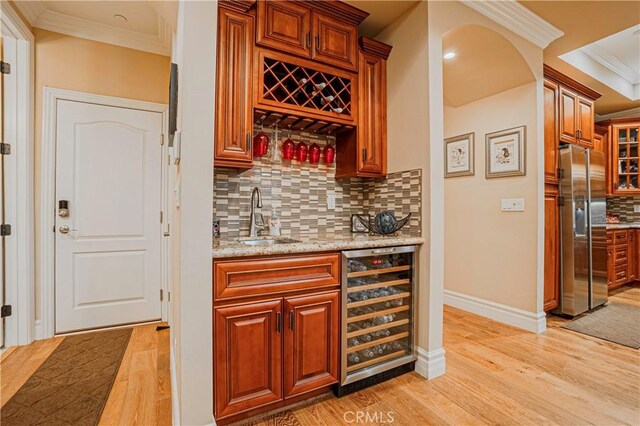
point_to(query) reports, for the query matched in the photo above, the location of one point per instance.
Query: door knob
(64, 229)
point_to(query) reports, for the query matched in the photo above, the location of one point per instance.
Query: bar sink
(268, 241)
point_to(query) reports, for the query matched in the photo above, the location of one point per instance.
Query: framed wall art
(506, 153)
(459, 155)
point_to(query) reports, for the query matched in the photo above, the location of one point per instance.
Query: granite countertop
(234, 248)
(623, 225)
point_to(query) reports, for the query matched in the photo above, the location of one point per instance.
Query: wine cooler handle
(291, 320)
(383, 251)
(278, 321)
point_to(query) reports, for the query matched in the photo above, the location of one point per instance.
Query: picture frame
(506, 153)
(356, 226)
(459, 155)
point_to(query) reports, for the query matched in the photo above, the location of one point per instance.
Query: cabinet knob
(292, 320)
(308, 39)
(364, 155)
(278, 321)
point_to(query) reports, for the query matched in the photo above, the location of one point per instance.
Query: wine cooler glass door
(378, 311)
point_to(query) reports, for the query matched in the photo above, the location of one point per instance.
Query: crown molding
(628, 113)
(612, 63)
(31, 9)
(517, 18)
(41, 17)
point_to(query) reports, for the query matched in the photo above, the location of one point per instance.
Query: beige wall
(66, 62)
(523, 292)
(489, 253)
(408, 148)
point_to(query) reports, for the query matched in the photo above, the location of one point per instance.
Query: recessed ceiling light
(120, 18)
(449, 55)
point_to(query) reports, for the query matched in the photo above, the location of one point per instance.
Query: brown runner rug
(615, 322)
(72, 386)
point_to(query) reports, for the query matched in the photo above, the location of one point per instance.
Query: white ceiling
(148, 26)
(613, 60)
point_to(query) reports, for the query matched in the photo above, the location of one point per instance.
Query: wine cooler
(378, 312)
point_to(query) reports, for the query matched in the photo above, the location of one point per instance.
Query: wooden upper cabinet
(624, 138)
(325, 31)
(311, 339)
(234, 89)
(551, 157)
(568, 114)
(285, 25)
(364, 150)
(585, 121)
(248, 356)
(335, 42)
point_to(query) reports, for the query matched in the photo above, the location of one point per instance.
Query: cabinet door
(551, 251)
(372, 112)
(550, 132)
(311, 342)
(248, 356)
(568, 116)
(234, 90)
(335, 42)
(632, 256)
(585, 122)
(285, 25)
(611, 268)
(625, 163)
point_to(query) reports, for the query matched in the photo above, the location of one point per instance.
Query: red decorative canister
(301, 152)
(329, 153)
(314, 153)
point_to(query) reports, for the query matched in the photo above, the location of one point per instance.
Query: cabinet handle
(291, 320)
(278, 321)
(364, 155)
(317, 42)
(248, 141)
(308, 39)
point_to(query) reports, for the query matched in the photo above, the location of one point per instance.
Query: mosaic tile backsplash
(299, 195)
(623, 206)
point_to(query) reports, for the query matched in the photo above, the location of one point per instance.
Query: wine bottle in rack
(353, 358)
(353, 341)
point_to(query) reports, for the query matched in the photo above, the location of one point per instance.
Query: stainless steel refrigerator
(583, 283)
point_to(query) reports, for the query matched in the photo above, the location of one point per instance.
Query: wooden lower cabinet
(623, 257)
(551, 249)
(248, 356)
(268, 351)
(311, 340)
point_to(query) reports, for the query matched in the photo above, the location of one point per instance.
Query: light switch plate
(636, 208)
(512, 204)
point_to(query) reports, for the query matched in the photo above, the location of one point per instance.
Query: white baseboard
(175, 400)
(431, 364)
(515, 317)
(39, 334)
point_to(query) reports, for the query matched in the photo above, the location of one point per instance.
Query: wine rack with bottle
(378, 311)
(292, 85)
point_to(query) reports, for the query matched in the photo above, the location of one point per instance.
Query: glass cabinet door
(625, 140)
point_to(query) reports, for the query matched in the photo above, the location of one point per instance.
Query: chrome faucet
(257, 221)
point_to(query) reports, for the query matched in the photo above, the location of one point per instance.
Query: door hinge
(161, 295)
(161, 217)
(168, 296)
(560, 173)
(561, 201)
(5, 311)
(5, 230)
(5, 149)
(5, 67)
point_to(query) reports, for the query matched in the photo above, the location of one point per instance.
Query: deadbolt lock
(63, 208)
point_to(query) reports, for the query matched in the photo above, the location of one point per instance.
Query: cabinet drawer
(621, 255)
(609, 238)
(234, 279)
(621, 275)
(620, 237)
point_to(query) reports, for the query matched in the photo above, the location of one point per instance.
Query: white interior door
(108, 263)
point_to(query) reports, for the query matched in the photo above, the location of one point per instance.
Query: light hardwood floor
(496, 374)
(141, 393)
